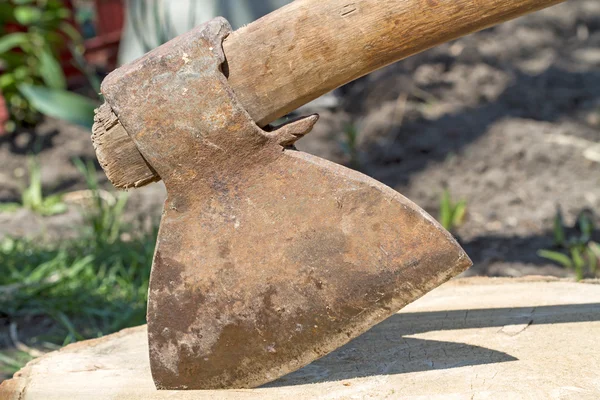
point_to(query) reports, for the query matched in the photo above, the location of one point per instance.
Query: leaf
(27, 15)
(83, 66)
(593, 251)
(592, 260)
(53, 209)
(6, 79)
(7, 244)
(446, 211)
(557, 257)
(60, 104)
(7, 42)
(6, 13)
(22, 73)
(586, 226)
(66, 322)
(458, 215)
(32, 196)
(559, 229)
(53, 205)
(50, 70)
(578, 262)
(452, 214)
(80, 265)
(11, 362)
(71, 32)
(53, 199)
(595, 248)
(42, 272)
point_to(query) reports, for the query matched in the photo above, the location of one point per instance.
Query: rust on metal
(267, 258)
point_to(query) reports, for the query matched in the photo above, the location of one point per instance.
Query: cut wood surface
(311, 47)
(471, 338)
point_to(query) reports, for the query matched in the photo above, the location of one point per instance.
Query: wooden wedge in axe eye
(268, 258)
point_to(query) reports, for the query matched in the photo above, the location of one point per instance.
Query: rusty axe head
(267, 258)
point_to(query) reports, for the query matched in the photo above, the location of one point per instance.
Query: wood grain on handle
(310, 47)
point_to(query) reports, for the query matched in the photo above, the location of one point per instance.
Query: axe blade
(283, 268)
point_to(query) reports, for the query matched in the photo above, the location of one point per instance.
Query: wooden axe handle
(310, 47)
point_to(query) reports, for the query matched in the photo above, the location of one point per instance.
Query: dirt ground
(507, 119)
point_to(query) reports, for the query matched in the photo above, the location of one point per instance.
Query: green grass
(350, 144)
(32, 196)
(451, 213)
(575, 248)
(13, 360)
(80, 288)
(86, 289)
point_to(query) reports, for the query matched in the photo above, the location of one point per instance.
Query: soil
(507, 119)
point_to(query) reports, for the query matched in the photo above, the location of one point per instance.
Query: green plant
(12, 361)
(32, 79)
(104, 217)
(350, 144)
(451, 214)
(84, 287)
(578, 251)
(32, 197)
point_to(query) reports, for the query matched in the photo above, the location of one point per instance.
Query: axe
(268, 258)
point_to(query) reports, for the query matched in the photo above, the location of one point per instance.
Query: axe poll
(268, 258)
(310, 47)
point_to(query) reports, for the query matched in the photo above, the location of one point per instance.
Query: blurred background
(497, 135)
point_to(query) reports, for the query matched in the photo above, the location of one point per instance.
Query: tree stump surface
(472, 338)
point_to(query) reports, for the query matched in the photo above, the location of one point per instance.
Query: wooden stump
(470, 338)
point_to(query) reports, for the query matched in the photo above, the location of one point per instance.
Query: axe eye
(287, 134)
